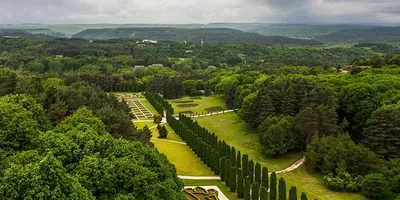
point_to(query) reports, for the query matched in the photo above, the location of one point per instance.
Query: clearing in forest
(199, 105)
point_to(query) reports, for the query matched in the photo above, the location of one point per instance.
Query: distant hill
(209, 35)
(377, 34)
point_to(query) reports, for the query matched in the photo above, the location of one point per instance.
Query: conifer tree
(255, 191)
(263, 193)
(239, 160)
(227, 172)
(233, 156)
(232, 182)
(247, 188)
(257, 173)
(272, 190)
(282, 189)
(245, 164)
(240, 184)
(303, 196)
(222, 168)
(293, 193)
(251, 170)
(217, 164)
(264, 179)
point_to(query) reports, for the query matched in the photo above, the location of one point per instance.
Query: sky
(380, 12)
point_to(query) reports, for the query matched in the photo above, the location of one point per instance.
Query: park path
(292, 167)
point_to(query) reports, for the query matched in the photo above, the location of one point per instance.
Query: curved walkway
(292, 167)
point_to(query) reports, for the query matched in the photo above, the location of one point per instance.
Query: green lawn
(219, 184)
(313, 185)
(148, 106)
(184, 159)
(203, 103)
(238, 134)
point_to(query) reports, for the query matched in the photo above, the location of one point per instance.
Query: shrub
(343, 182)
(162, 131)
(157, 118)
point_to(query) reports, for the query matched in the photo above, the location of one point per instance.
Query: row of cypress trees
(250, 180)
(128, 87)
(159, 103)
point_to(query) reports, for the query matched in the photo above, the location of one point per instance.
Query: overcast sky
(201, 11)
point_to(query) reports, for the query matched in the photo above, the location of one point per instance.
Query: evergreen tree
(272, 190)
(217, 164)
(222, 168)
(293, 193)
(303, 196)
(247, 188)
(239, 160)
(245, 164)
(163, 133)
(282, 189)
(233, 156)
(251, 170)
(255, 191)
(233, 175)
(240, 184)
(227, 172)
(263, 193)
(265, 179)
(258, 173)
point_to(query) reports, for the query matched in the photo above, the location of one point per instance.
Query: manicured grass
(238, 134)
(171, 134)
(184, 159)
(148, 105)
(203, 103)
(313, 185)
(219, 184)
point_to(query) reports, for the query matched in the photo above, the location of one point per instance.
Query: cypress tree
(247, 188)
(255, 191)
(303, 196)
(233, 156)
(240, 184)
(251, 170)
(264, 179)
(245, 164)
(239, 160)
(258, 173)
(263, 193)
(272, 190)
(227, 172)
(233, 174)
(222, 168)
(217, 164)
(282, 189)
(293, 193)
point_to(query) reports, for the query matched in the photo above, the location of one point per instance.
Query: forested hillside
(209, 35)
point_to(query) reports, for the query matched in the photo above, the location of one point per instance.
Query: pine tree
(258, 173)
(251, 170)
(263, 193)
(222, 168)
(255, 191)
(273, 192)
(227, 172)
(282, 189)
(264, 179)
(293, 193)
(247, 188)
(240, 184)
(303, 196)
(232, 182)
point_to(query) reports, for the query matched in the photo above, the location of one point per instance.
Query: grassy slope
(219, 184)
(237, 134)
(204, 102)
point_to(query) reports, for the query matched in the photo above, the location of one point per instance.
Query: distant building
(202, 42)
(59, 56)
(11, 37)
(149, 41)
(189, 51)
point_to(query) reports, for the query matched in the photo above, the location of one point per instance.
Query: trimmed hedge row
(240, 174)
(159, 103)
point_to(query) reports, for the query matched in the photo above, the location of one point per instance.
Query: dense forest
(340, 105)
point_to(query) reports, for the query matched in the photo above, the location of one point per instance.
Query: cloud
(200, 11)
